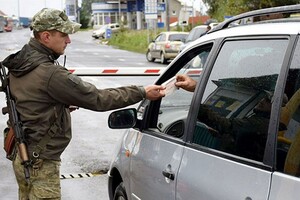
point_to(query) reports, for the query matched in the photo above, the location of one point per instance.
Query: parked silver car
(165, 46)
(237, 136)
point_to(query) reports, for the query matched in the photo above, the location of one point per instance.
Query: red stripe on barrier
(194, 72)
(72, 70)
(152, 71)
(110, 71)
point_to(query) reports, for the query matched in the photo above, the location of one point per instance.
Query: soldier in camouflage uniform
(44, 90)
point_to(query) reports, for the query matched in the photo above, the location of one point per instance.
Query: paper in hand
(170, 86)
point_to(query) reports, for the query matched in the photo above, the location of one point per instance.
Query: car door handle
(169, 175)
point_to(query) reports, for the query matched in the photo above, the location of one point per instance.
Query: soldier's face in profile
(58, 42)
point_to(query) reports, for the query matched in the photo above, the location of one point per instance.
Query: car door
(158, 150)
(224, 157)
(286, 178)
(158, 44)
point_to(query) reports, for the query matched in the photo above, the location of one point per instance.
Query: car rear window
(177, 37)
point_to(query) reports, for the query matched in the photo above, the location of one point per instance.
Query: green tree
(86, 12)
(220, 8)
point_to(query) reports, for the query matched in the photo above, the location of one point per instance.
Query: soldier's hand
(154, 92)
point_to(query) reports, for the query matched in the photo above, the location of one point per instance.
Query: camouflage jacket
(43, 91)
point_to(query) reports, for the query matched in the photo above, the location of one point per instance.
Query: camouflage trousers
(44, 182)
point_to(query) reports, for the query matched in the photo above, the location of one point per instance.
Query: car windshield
(177, 37)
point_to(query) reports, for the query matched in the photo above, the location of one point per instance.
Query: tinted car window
(235, 109)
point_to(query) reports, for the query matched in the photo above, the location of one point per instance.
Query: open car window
(175, 106)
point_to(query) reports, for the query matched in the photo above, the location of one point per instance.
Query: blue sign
(108, 33)
(161, 7)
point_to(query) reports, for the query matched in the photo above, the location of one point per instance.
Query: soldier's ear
(45, 37)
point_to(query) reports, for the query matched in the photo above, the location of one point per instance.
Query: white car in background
(100, 33)
(165, 46)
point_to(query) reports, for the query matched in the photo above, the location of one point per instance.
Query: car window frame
(270, 151)
(271, 144)
(151, 108)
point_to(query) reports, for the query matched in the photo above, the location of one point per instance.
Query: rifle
(15, 123)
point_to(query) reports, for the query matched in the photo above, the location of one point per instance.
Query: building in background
(72, 9)
(135, 14)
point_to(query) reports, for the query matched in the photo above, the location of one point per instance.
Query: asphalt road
(93, 142)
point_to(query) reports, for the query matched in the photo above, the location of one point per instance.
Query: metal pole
(119, 11)
(168, 15)
(193, 14)
(19, 14)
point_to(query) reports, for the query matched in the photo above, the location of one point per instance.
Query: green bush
(132, 40)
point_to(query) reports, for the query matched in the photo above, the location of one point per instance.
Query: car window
(177, 37)
(195, 33)
(161, 38)
(235, 109)
(174, 107)
(157, 38)
(288, 144)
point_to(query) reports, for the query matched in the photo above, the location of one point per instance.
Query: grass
(135, 40)
(132, 40)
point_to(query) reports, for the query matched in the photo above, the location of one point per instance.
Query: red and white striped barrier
(126, 71)
(123, 71)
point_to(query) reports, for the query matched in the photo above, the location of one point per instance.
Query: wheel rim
(149, 57)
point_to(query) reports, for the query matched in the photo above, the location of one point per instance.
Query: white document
(170, 86)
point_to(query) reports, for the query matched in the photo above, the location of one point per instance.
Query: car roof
(174, 32)
(283, 28)
(200, 26)
(291, 28)
(238, 25)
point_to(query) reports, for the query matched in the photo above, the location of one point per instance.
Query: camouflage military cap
(52, 19)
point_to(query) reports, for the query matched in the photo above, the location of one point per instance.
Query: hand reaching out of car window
(185, 82)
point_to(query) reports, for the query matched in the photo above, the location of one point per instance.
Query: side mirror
(122, 119)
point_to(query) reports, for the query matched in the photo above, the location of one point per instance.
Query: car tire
(120, 193)
(149, 57)
(163, 60)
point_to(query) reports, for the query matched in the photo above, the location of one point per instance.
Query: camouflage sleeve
(69, 89)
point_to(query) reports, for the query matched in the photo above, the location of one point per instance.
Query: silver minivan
(237, 136)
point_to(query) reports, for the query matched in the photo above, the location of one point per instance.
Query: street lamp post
(168, 15)
(19, 12)
(119, 11)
